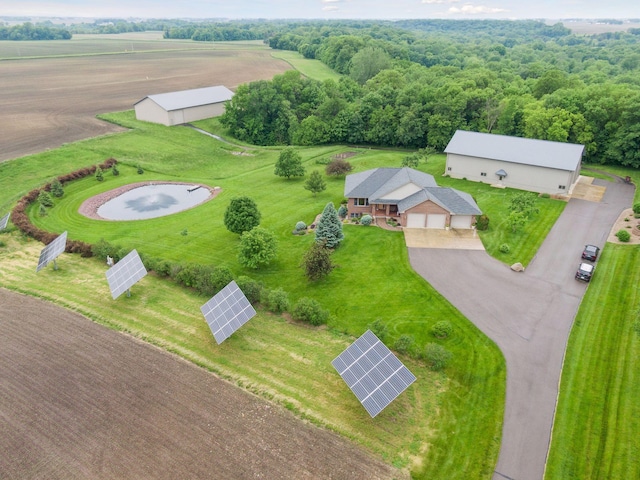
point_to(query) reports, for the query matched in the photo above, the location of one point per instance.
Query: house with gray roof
(527, 164)
(177, 108)
(410, 197)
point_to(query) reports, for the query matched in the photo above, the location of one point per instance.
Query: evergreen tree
(329, 231)
(315, 183)
(99, 175)
(45, 198)
(114, 170)
(241, 215)
(289, 164)
(56, 188)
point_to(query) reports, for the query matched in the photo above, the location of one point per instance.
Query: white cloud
(330, 1)
(330, 8)
(468, 9)
(439, 2)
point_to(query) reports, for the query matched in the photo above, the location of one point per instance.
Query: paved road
(529, 316)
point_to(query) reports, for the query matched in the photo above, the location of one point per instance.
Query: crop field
(50, 92)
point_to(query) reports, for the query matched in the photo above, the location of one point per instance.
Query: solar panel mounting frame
(126, 273)
(373, 373)
(227, 311)
(51, 251)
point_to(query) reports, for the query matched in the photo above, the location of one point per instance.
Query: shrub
(442, 329)
(636, 208)
(219, 277)
(338, 167)
(379, 329)
(56, 188)
(482, 222)
(114, 170)
(436, 356)
(139, 170)
(251, 289)
(276, 301)
(42, 211)
(404, 344)
(366, 220)
(317, 262)
(309, 310)
(45, 198)
(545, 195)
(505, 248)
(300, 226)
(99, 174)
(623, 235)
(102, 249)
(342, 211)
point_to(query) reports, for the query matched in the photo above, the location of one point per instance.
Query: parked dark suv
(590, 253)
(585, 271)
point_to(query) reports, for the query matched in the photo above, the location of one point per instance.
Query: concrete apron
(452, 239)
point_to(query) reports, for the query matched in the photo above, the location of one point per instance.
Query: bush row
(21, 220)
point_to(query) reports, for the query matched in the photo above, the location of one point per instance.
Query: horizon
(567, 10)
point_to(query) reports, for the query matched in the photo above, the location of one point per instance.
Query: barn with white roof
(177, 108)
(527, 164)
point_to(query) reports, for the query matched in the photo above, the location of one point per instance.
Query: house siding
(520, 176)
(149, 111)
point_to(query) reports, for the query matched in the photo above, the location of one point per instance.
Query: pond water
(152, 201)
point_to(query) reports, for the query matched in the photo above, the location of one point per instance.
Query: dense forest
(413, 83)
(29, 31)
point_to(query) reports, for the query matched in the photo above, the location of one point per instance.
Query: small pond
(152, 201)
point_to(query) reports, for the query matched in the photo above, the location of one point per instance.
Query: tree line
(29, 31)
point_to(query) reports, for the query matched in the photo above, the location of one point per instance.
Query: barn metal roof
(527, 151)
(191, 98)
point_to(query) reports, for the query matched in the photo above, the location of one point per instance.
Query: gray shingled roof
(378, 182)
(541, 153)
(452, 200)
(191, 98)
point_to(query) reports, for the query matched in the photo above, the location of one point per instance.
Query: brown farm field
(50, 92)
(79, 400)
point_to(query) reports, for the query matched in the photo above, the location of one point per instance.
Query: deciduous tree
(289, 164)
(241, 215)
(315, 183)
(257, 248)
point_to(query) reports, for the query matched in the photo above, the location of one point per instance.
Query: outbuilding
(176, 108)
(527, 164)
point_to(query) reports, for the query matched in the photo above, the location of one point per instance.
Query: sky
(324, 9)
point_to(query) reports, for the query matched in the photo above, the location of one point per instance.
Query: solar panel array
(372, 372)
(4, 221)
(227, 311)
(124, 274)
(50, 252)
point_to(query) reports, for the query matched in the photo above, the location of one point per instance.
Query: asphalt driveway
(529, 316)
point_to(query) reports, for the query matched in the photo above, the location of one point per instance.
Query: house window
(355, 215)
(483, 174)
(361, 202)
(449, 169)
(562, 187)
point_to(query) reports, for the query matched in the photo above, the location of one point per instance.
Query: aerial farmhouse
(410, 197)
(177, 108)
(535, 165)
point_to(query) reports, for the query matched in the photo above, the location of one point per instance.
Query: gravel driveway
(529, 316)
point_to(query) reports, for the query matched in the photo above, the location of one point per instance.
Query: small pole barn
(177, 108)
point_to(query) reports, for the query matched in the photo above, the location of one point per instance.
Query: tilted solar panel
(52, 251)
(227, 311)
(372, 372)
(125, 274)
(4, 221)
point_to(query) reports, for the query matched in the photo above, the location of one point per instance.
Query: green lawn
(314, 69)
(595, 433)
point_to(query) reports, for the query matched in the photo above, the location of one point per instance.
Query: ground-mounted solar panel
(227, 311)
(124, 274)
(50, 252)
(372, 372)
(4, 221)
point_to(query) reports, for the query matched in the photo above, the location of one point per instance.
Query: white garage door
(436, 220)
(461, 221)
(416, 220)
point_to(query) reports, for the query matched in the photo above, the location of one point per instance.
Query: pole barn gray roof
(527, 151)
(191, 98)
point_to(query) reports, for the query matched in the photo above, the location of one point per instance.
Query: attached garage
(177, 108)
(436, 220)
(416, 220)
(461, 221)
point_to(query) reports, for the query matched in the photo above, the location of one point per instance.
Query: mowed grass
(595, 433)
(373, 281)
(308, 67)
